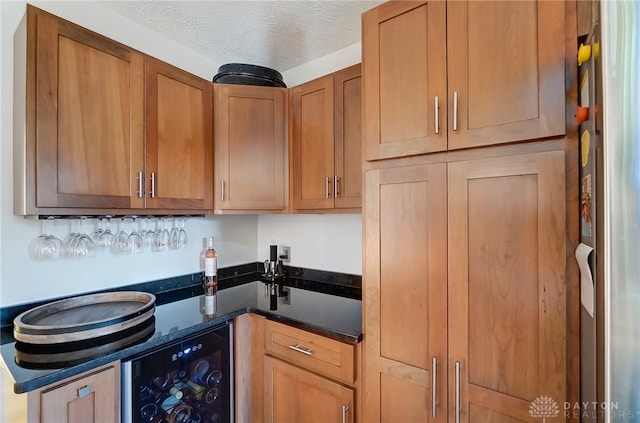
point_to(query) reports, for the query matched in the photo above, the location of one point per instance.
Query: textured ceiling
(273, 33)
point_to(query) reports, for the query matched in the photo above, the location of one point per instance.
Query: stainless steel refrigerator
(620, 251)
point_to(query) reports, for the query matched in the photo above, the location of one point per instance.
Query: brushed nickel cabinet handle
(326, 187)
(345, 409)
(455, 110)
(336, 181)
(434, 387)
(301, 350)
(153, 185)
(84, 391)
(222, 189)
(457, 393)
(140, 184)
(436, 108)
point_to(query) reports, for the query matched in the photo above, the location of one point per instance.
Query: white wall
(23, 279)
(337, 60)
(327, 242)
(318, 241)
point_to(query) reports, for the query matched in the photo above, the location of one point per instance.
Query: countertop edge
(135, 350)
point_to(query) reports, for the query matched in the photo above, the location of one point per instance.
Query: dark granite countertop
(179, 314)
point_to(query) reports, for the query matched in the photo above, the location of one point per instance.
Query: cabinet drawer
(314, 352)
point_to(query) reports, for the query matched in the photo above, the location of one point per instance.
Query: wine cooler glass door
(185, 382)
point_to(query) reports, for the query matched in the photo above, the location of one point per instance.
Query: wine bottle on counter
(210, 279)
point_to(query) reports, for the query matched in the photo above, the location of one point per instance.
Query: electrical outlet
(287, 295)
(285, 254)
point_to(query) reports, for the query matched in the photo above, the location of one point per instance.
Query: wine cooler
(187, 381)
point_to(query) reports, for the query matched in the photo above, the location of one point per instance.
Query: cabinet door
(250, 162)
(348, 137)
(179, 138)
(507, 286)
(91, 398)
(404, 66)
(84, 117)
(506, 67)
(294, 395)
(312, 144)
(405, 297)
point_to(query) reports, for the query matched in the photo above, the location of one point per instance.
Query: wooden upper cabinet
(507, 285)
(326, 142)
(84, 130)
(347, 92)
(404, 67)
(251, 170)
(459, 74)
(312, 144)
(109, 129)
(179, 138)
(506, 67)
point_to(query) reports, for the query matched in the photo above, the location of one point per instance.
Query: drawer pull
(301, 350)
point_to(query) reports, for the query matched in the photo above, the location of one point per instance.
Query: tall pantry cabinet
(470, 288)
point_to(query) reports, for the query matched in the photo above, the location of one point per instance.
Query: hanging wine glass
(161, 237)
(106, 237)
(45, 247)
(173, 235)
(182, 235)
(119, 243)
(99, 230)
(69, 242)
(134, 241)
(147, 239)
(85, 247)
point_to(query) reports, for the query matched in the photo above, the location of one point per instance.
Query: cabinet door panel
(507, 293)
(250, 147)
(403, 401)
(405, 295)
(404, 68)
(348, 137)
(506, 63)
(294, 395)
(69, 402)
(179, 138)
(312, 144)
(89, 110)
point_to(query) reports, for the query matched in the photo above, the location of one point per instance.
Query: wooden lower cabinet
(465, 294)
(296, 395)
(277, 382)
(90, 397)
